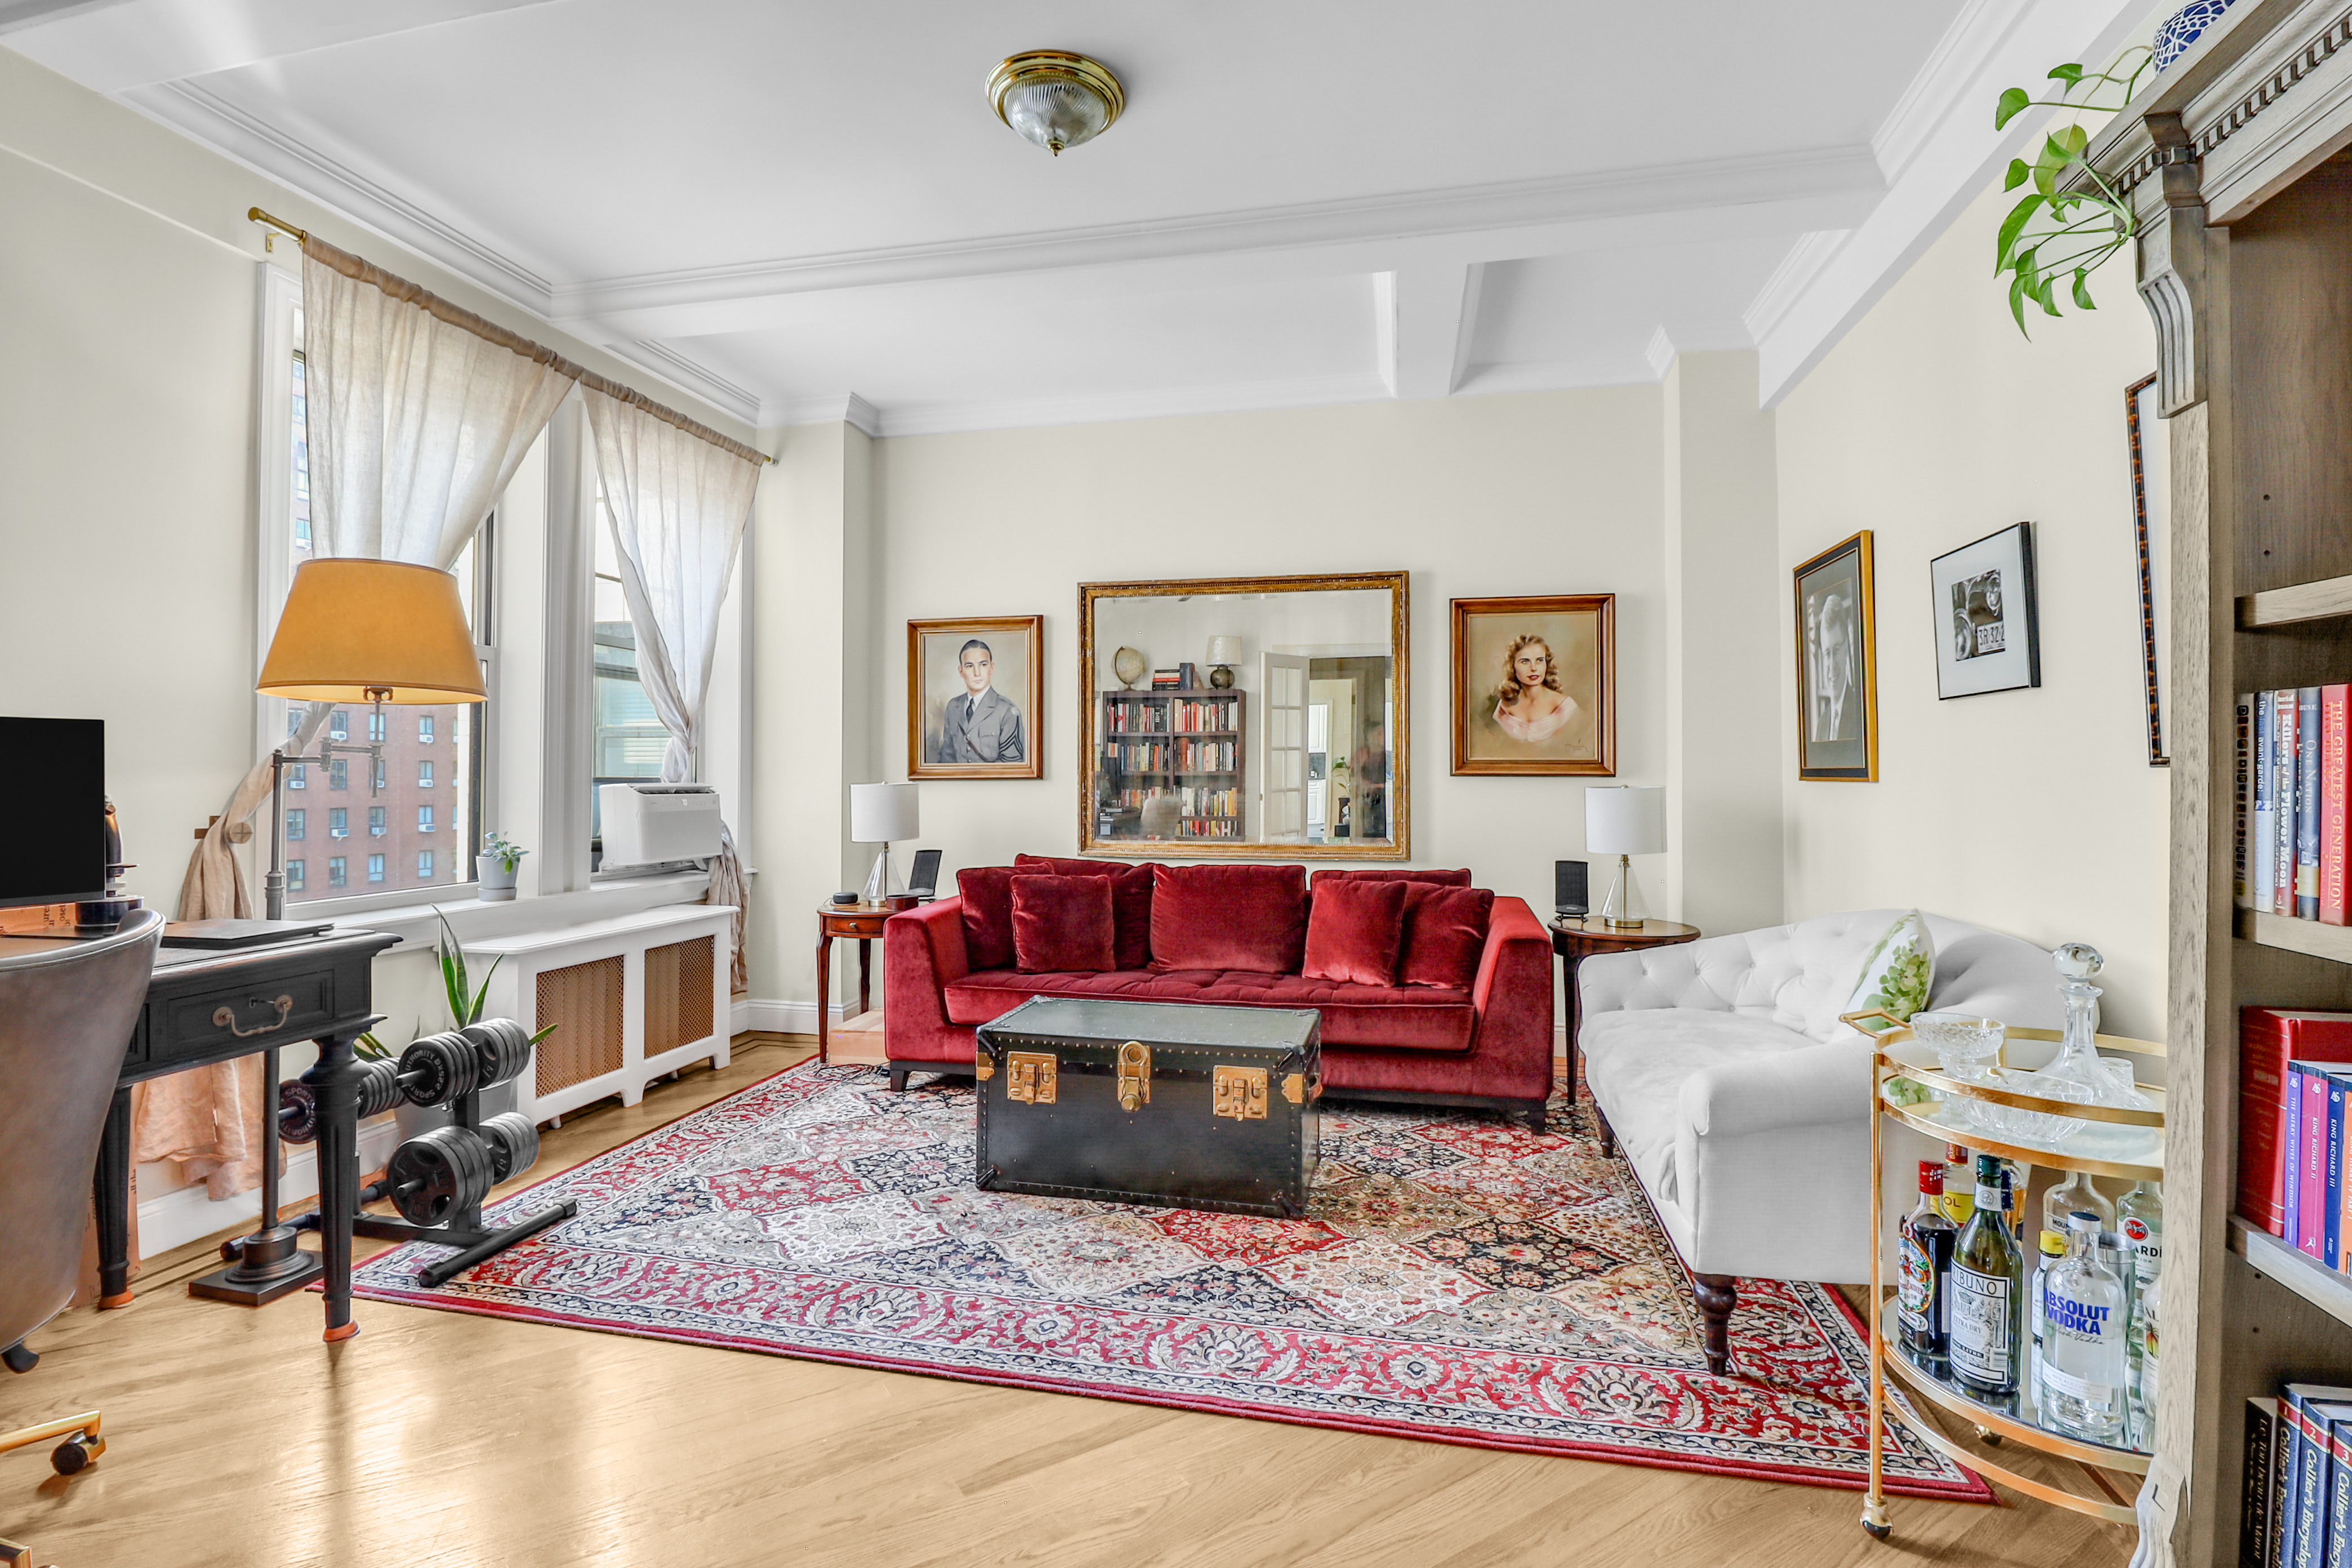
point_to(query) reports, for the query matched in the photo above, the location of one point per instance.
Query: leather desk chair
(67, 1009)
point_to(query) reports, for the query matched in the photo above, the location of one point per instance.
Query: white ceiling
(798, 210)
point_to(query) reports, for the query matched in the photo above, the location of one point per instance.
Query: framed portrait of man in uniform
(975, 698)
(1837, 665)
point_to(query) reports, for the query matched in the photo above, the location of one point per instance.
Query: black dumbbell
(436, 1176)
(513, 1138)
(503, 1047)
(433, 1070)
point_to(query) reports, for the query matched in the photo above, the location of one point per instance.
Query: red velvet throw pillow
(1061, 924)
(1457, 879)
(1249, 917)
(1356, 930)
(1130, 900)
(987, 916)
(1445, 934)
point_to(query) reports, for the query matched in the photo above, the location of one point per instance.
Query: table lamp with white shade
(879, 814)
(1223, 654)
(1625, 821)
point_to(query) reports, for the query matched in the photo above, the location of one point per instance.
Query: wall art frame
(1533, 682)
(954, 731)
(1985, 607)
(2157, 757)
(1837, 664)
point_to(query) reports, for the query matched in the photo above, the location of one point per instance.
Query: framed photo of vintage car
(1837, 665)
(1988, 635)
(975, 698)
(1535, 685)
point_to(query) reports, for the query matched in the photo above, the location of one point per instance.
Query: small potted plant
(465, 1008)
(500, 858)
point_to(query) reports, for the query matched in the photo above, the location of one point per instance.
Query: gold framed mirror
(1223, 718)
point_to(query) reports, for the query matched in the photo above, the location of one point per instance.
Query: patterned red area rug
(1457, 1279)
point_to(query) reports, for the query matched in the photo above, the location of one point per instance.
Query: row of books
(2295, 1092)
(1173, 756)
(1192, 800)
(2289, 843)
(1209, 827)
(1183, 678)
(1123, 716)
(2297, 1510)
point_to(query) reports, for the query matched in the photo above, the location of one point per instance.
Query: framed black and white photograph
(1837, 665)
(1988, 638)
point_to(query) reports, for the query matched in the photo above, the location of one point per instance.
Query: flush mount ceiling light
(1054, 98)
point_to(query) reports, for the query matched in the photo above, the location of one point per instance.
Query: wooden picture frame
(939, 746)
(1104, 824)
(1837, 664)
(1493, 639)
(2157, 755)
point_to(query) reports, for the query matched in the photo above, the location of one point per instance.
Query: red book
(2335, 732)
(2268, 1039)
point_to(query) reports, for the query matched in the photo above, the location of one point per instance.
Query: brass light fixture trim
(1054, 98)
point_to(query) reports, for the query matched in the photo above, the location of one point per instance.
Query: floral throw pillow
(1897, 975)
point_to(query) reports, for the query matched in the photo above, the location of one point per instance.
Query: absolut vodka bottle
(1926, 1246)
(2082, 1364)
(1987, 1290)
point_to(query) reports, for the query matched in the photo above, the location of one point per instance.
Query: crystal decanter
(2077, 1074)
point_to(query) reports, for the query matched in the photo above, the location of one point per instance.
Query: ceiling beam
(1424, 317)
(113, 48)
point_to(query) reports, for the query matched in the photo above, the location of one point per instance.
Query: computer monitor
(53, 803)
(925, 882)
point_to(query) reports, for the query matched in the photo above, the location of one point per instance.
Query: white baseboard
(770, 1016)
(188, 1215)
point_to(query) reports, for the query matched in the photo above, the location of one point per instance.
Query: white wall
(2033, 812)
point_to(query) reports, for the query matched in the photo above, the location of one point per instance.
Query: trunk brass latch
(1030, 1076)
(1240, 1092)
(1298, 1090)
(1134, 1075)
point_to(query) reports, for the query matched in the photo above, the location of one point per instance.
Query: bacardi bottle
(2140, 1218)
(1988, 1291)
(1925, 1248)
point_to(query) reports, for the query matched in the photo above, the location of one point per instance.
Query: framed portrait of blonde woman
(1535, 685)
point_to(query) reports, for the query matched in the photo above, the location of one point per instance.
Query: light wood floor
(237, 1438)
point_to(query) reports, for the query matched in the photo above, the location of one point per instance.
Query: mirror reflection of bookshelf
(1172, 764)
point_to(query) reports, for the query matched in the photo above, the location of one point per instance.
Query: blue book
(2308, 1411)
(2306, 795)
(2291, 1141)
(2262, 853)
(2339, 1494)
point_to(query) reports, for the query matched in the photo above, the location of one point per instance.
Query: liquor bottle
(1926, 1246)
(2148, 1310)
(1959, 1185)
(2082, 1368)
(2053, 1249)
(2078, 1192)
(2013, 1182)
(2141, 1220)
(1988, 1290)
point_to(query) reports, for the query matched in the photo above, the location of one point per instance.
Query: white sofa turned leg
(1717, 1295)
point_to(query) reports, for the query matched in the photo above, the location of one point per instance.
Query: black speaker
(1568, 895)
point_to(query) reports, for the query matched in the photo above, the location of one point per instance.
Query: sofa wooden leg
(1537, 1118)
(1716, 1294)
(898, 1080)
(1608, 1135)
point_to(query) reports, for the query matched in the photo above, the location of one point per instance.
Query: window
(335, 876)
(425, 865)
(339, 773)
(375, 867)
(298, 776)
(425, 729)
(424, 776)
(424, 819)
(379, 775)
(629, 740)
(295, 870)
(293, 721)
(375, 822)
(339, 823)
(375, 726)
(339, 725)
(297, 822)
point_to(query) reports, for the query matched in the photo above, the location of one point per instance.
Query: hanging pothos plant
(2056, 238)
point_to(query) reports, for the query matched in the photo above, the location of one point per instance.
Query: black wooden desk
(206, 1006)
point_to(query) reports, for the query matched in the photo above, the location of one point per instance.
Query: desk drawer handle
(226, 1019)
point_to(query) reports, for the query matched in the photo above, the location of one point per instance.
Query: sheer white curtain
(678, 501)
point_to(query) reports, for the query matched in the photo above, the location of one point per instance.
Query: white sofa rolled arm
(1811, 1086)
(1632, 981)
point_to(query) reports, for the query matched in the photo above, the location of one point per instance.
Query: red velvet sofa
(1466, 1020)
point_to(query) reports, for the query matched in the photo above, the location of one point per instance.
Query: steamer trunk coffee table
(1152, 1102)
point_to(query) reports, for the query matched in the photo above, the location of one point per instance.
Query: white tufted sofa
(1743, 1104)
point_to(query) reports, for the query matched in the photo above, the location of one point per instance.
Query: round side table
(1577, 939)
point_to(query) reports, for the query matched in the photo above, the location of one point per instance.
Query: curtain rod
(456, 315)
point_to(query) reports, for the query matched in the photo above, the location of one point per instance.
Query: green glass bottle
(1987, 1292)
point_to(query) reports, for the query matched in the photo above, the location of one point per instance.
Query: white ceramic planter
(497, 883)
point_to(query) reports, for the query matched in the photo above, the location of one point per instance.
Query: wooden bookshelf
(2289, 933)
(1124, 717)
(2296, 602)
(2327, 1288)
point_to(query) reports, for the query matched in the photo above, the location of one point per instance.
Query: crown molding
(1790, 280)
(1157, 402)
(1946, 81)
(1706, 185)
(1660, 353)
(832, 408)
(686, 375)
(229, 131)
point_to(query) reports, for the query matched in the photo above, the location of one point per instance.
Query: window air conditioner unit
(646, 824)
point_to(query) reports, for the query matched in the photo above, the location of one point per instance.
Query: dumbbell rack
(465, 1230)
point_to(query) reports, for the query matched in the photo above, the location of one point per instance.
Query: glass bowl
(1963, 1042)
